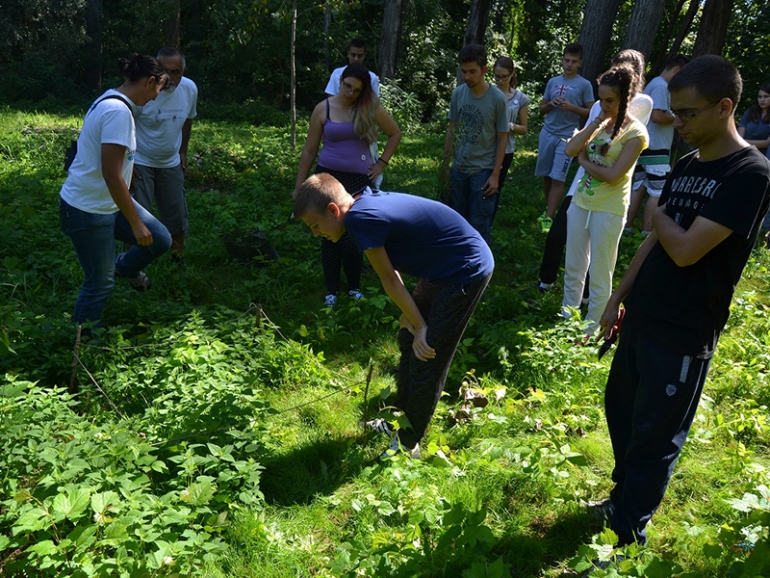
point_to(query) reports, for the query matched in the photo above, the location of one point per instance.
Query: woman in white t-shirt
(95, 206)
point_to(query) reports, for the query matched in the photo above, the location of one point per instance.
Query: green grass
(499, 494)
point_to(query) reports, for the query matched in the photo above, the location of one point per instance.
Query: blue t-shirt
(423, 238)
(755, 130)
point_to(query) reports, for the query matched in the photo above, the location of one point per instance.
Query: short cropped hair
(473, 53)
(712, 77)
(170, 51)
(676, 60)
(574, 48)
(357, 43)
(315, 194)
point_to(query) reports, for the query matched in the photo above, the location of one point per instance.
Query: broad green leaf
(44, 548)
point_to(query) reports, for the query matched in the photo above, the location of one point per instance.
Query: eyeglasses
(687, 115)
(164, 81)
(350, 88)
(502, 77)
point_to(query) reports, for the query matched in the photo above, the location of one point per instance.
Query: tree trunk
(477, 22)
(692, 10)
(390, 38)
(93, 68)
(595, 33)
(655, 66)
(643, 27)
(477, 27)
(174, 25)
(327, 27)
(713, 27)
(293, 74)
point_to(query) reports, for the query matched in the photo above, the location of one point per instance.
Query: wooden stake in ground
(72, 388)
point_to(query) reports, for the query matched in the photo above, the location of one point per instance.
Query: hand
(141, 234)
(135, 176)
(490, 187)
(609, 319)
(582, 157)
(375, 170)
(565, 105)
(422, 350)
(183, 161)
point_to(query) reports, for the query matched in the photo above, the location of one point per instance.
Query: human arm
(390, 128)
(578, 141)
(632, 148)
(394, 287)
(313, 141)
(521, 127)
(113, 156)
(186, 132)
(493, 182)
(659, 116)
(612, 310)
(687, 246)
(581, 111)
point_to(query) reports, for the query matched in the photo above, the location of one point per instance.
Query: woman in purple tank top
(347, 123)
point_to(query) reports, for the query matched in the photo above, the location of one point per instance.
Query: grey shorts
(166, 188)
(652, 182)
(552, 161)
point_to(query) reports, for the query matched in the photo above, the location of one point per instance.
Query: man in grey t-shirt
(477, 135)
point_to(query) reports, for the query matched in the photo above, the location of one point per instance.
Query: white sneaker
(356, 294)
(396, 447)
(379, 425)
(330, 300)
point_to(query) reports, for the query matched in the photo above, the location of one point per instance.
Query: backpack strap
(114, 97)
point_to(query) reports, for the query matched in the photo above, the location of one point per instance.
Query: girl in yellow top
(607, 148)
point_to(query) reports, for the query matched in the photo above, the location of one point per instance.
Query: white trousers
(592, 246)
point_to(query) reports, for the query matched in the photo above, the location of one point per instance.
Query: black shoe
(141, 282)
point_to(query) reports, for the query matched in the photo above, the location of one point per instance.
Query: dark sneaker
(178, 261)
(141, 282)
(601, 510)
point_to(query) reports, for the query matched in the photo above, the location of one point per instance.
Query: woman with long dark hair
(607, 148)
(95, 206)
(347, 123)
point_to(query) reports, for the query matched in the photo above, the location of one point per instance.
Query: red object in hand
(614, 331)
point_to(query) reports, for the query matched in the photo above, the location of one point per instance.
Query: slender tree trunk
(692, 10)
(174, 25)
(390, 38)
(294, 74)
(657, 64)
(644, 24)
(327, 27)
(478, 21)
(595, 34)
(713, 27)
(93, 68)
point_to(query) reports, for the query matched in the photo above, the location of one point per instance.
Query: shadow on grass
(315, 469)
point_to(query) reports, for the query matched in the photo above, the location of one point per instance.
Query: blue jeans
(93, 237)
(468, 199)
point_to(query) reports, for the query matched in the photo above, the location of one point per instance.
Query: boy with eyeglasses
(677, 290)
(567, 99)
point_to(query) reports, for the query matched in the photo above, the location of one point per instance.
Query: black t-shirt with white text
(686, 308)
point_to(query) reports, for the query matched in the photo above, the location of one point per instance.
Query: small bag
(72, 150)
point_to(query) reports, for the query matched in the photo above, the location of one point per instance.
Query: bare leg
(633, 208)
(547, 187)
(555, 197)
(177, 244)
